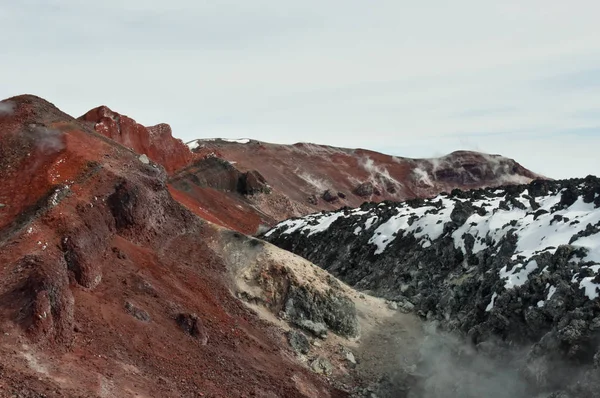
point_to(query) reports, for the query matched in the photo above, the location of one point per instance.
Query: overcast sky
(410, 78)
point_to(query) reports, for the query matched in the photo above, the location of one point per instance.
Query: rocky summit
(511, 271)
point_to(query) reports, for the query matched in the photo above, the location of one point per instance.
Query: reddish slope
(306, 178)
(156, 142)
(265, 183)
(103, 274)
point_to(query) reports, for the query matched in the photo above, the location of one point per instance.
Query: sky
(414, 79)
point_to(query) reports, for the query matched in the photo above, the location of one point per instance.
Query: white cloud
(421, 77)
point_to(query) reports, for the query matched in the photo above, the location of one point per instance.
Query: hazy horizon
(408, 79)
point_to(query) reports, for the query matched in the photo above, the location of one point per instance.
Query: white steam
(377, 173)
(422, 177)
(318, 183)
(450, 368)
(6, 108)
(46, 140)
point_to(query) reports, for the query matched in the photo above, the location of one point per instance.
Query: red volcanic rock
(216, 190)
(156, 142)
(300, 174)
(109, 287)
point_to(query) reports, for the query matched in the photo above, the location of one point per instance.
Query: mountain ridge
(303, 178)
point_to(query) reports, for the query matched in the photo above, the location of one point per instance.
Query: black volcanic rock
(217, 173)
(518, 265)
(330, 197)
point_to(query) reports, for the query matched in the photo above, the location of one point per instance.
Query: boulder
(298, 341)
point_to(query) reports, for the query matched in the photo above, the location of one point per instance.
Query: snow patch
(237, 141)
(518, 275)
(425, 223)
(193, 144)
(370, 221)
(551, 292)
(490, 306)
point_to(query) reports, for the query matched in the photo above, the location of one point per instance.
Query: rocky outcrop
(157, 142)
(330, 197)
(317, 312)
(518, 265)
(314, 307)
(217, 173)
(366, 190)
(252, 183)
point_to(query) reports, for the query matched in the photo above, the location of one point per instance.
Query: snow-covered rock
(511, 264)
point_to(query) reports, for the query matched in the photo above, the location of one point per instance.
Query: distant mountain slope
(518, 263)
(304, 178)
(257, 184)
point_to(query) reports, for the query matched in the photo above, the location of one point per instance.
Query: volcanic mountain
(111, 288)
(515, 270)
(283, 181)
(244, 184)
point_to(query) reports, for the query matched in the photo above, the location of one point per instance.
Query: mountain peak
(157, 142)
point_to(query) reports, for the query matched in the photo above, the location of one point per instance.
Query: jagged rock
(310, 310)
(313, 200)
(137, 312)
(321, 365)
(517, 265)
(214, 172)
(461, 212)
(364, 190)
(122, 203)
(86, 273)
(348, 356)
(51, 314)
(191, 324)
(298, 341)
(157, 142)
(318, 329)
(406, 306)
(330, 197)
(252, 182)
(144, 159)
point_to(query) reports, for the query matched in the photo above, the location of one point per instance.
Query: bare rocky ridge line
(296, 180)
